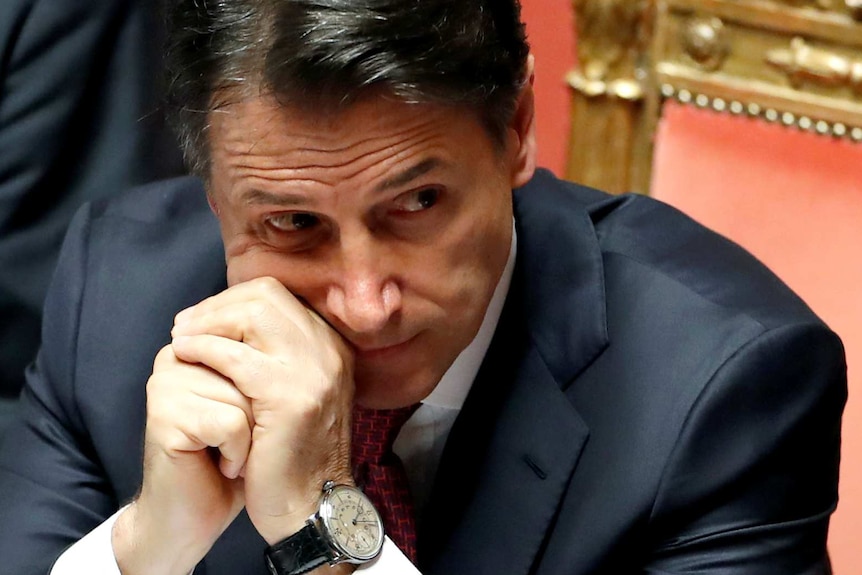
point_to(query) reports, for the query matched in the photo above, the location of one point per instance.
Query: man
(618, 390)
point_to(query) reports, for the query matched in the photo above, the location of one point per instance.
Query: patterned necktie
(380, 473)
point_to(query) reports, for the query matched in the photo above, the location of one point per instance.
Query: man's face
(392, 221)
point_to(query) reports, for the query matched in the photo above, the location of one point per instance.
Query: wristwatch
(345, 529)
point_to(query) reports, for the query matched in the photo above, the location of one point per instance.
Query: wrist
(141, 548)
(346, 529)
(274, 528)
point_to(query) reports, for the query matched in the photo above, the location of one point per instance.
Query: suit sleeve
(66, 137)
(52, 488)
(80, 119)
(753, 478)
(54, 61)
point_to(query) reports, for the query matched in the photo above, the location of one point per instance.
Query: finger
(250, 370)
(263, 289)
(304, 381)
(225, 428)
(188, 404)
(197, 423)
(174, 377)
(264, 324)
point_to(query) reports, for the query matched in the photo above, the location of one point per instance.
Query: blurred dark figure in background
(80, 90)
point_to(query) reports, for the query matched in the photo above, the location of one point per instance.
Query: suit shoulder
(546, 190)
(663, 239)
(640, 237)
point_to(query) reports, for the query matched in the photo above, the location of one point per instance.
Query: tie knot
(375, 430)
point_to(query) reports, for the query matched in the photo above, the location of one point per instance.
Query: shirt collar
(458, 379)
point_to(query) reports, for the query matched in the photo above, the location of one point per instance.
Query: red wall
(550, 28)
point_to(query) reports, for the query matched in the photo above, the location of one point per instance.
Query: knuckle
(160, 410)
(336, 361)
(327, 381)
(261, 318)
(162, 428)
(271, 325)
(157, 385)
(164, 358)
(268, 286)
(258, 368)
(236, 422)
(211, 422)
(311, 408)
(173, 443)
(235, 354)
(258, 309)
(221, 424)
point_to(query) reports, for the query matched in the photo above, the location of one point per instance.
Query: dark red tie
(379, 472)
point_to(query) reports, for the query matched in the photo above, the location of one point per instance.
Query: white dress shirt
(419, 445)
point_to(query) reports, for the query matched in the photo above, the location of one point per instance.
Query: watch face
(353, 524)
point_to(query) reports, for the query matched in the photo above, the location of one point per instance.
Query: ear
(213, 204)
(522, 132)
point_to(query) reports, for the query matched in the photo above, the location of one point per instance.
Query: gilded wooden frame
(795, 62)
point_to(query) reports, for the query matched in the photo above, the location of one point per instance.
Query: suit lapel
(503, 471)
(516, 443)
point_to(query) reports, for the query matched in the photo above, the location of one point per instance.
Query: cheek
(302, 279)
(249, 258)
(252, 264)
(243, 268)
(239, 270)
(483, 245)
(465, 271)
(239, 249)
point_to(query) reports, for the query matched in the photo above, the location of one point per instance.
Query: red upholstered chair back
(795, 200)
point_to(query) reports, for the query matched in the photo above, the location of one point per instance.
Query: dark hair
(323, 54)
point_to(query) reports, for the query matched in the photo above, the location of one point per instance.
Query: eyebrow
(260, 197)
(281, 199)
(408, 175)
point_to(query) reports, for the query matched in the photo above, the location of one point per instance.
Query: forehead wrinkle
(307, 134)
(387, 139)
(299, 174)
(400, 134)
(389, 157)
(240, 154)
(295, 151)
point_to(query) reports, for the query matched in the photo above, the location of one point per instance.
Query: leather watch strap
(301, 552)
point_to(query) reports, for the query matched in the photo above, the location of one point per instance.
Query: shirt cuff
(390, 561)
(93, 554)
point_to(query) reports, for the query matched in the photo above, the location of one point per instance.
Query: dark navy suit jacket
(79, 120)
(654, 400)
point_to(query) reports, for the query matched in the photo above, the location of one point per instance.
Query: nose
(365, 297)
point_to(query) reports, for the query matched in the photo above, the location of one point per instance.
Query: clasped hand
(249, 406)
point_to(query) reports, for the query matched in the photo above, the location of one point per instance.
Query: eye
(293, 221)
(418, 200)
